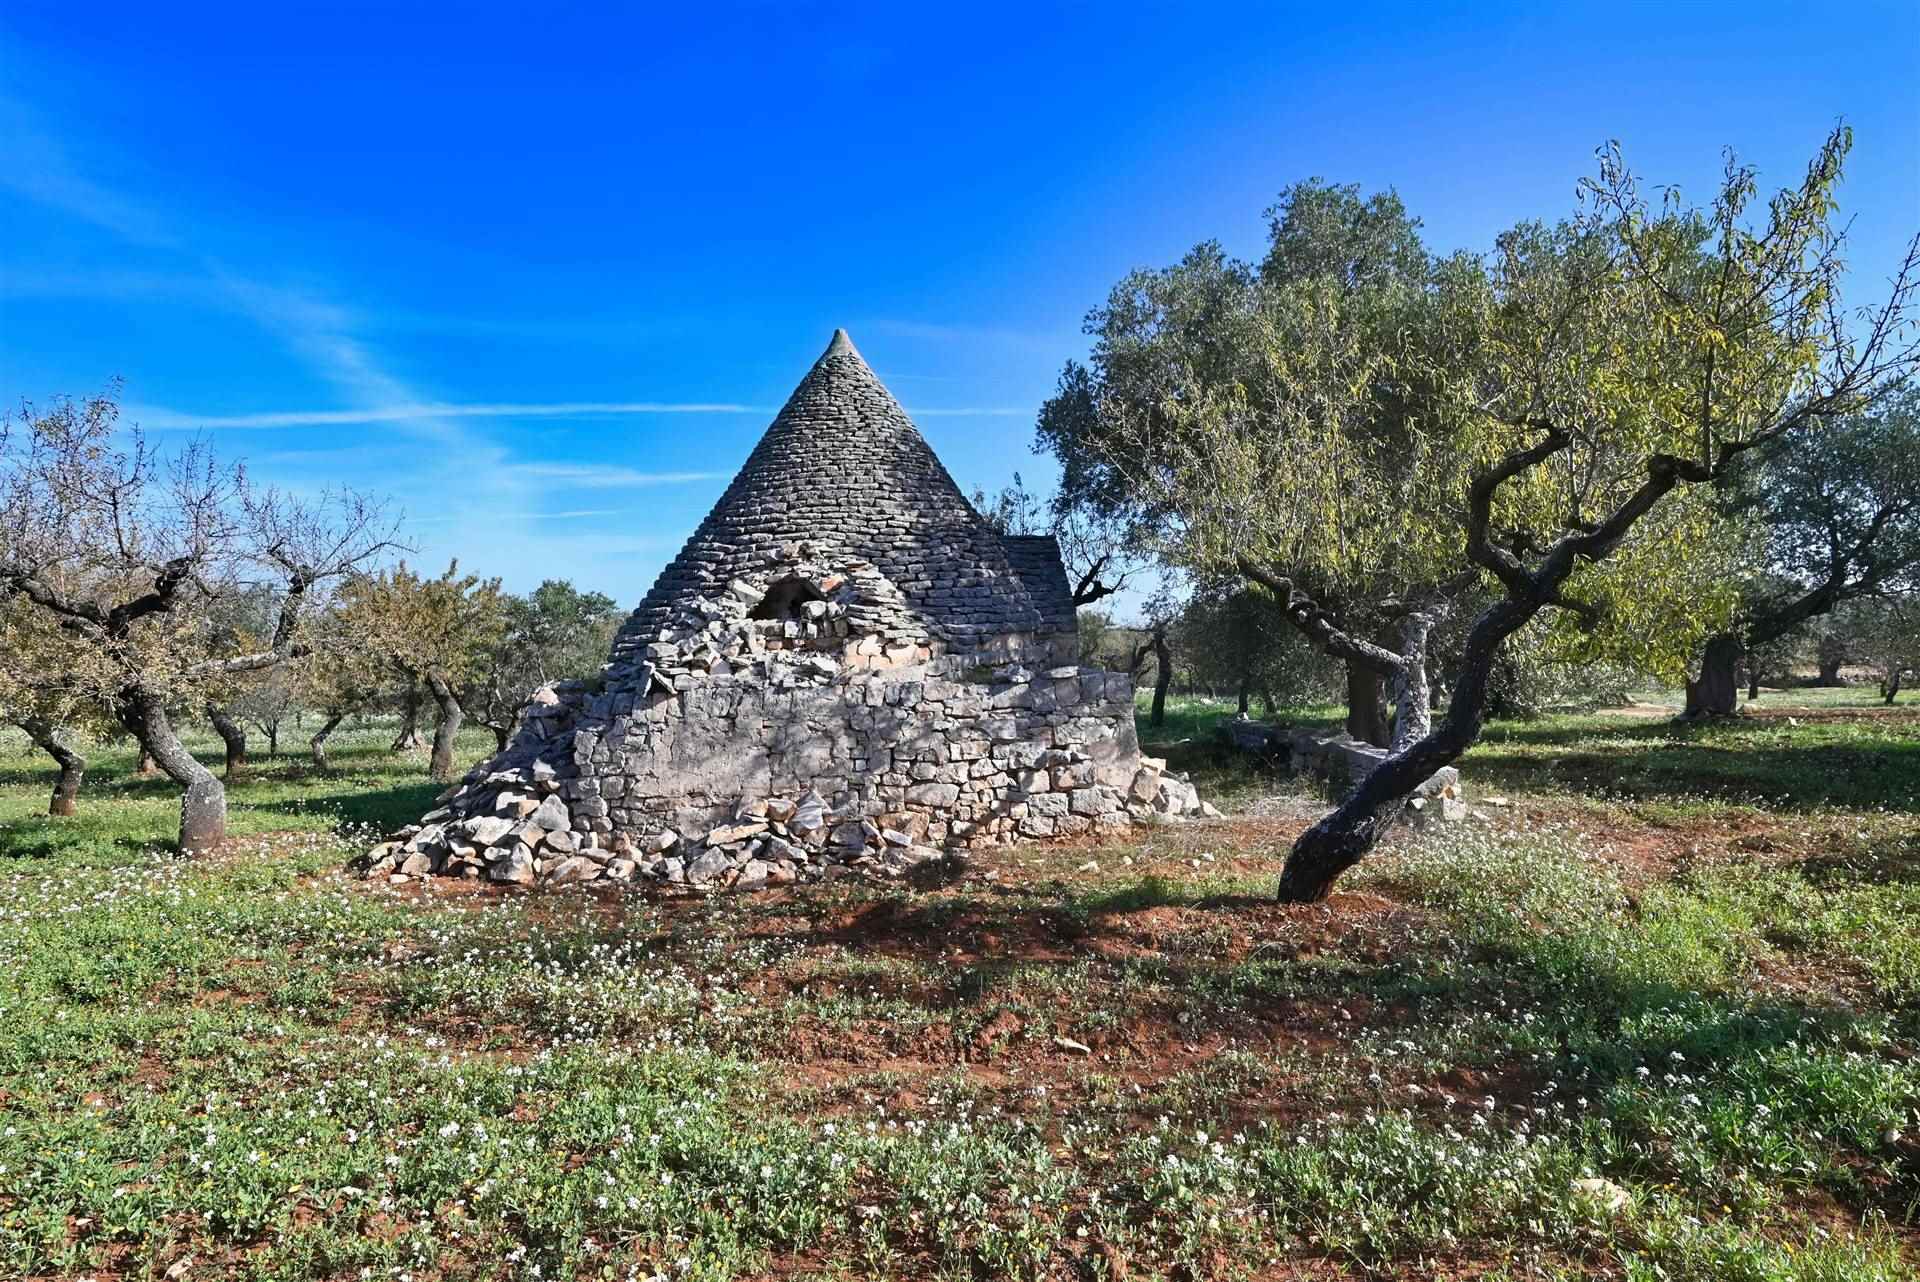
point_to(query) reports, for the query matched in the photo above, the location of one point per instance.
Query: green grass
(253, 1066)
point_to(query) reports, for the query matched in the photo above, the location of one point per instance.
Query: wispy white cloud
(596, 476)
(165, 419)
(39, 168)
(160, 418)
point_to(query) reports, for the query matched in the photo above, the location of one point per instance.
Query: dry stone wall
(797, 724)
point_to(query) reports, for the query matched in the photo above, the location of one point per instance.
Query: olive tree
(435, 632)
(1839, 509)
(136, 556)
(1547, 421)
(554, 633)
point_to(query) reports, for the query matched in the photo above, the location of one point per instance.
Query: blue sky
(542, 273)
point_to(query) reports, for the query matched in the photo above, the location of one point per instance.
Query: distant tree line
(140, 593)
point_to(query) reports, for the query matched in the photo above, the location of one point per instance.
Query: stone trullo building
(845, 665)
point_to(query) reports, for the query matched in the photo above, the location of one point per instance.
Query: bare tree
(135, 554)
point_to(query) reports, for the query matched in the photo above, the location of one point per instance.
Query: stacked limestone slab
(845, 668)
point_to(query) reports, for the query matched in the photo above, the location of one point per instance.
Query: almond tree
(135, 557)
(1566, 405)
(434, 631)
(45, 679)
(553, 633)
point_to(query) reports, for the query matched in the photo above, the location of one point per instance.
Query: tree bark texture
(446, 727)
(1163, 677)
(1342, 838)
(54, 741)
(232, 734)
(318, 744)
(1412, 693)
(409, 737)
(1367, 705)
(1716, 691)
(203, 803)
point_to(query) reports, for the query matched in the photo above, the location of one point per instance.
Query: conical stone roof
(843, 467)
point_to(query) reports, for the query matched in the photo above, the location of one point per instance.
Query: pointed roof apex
(841, 344)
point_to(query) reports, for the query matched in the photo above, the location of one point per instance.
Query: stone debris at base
(845, 669)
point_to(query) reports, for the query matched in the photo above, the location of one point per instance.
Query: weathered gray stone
(516, 866)
(933, 794)
(551, 815)
(574, 868)
(707, 865)
(488, 829)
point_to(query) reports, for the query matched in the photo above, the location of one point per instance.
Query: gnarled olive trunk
(1412, 693)
(53, 740)
(1162, 678)
(1716, 691)
(1890, 686)
(1246, 695)
(203, 803)
(446, 726)
(1367, 705)
(409, 737)
(1342, 838)
(232, 734)
(318, 744)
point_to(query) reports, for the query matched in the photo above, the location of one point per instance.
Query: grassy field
(1652, 1011)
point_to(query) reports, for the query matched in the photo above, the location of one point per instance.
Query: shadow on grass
(1691, 765)
(384, 808)
(77, 841)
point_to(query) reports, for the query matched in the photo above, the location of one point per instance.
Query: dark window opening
(787, 599)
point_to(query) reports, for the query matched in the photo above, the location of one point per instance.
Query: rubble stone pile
(804, 694)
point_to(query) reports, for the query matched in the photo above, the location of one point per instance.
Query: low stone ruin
(845, 669)
(1344, 760)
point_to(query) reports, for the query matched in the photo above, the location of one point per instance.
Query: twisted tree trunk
(1342, 838)
(409, 737)
(318, 744)
(52, 740)
(1412, 692)
(1716, 691)
(1890, 686)
(203, 802)
(445, 728)
(1367, 705)
(1163, 677)
(232, 734)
